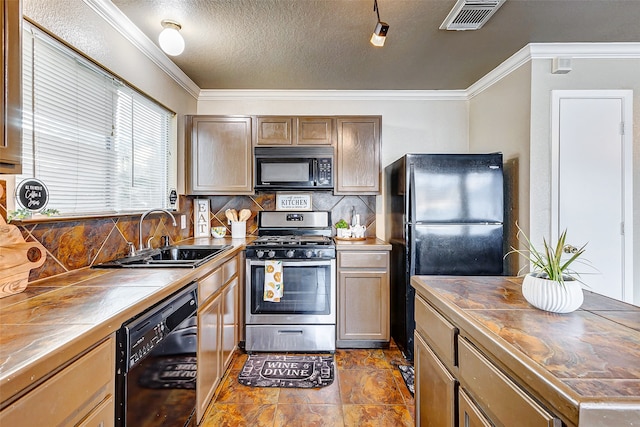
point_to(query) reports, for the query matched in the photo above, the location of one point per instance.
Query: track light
(170, 39)
(380, 32)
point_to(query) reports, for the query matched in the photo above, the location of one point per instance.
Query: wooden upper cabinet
(315, 131)
(275, 130)
(11, 143)
(219, 155)
(285, 130)
(358, 168)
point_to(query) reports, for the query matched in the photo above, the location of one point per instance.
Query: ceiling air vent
(470, 14)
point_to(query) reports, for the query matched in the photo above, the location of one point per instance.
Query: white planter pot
(552, 296)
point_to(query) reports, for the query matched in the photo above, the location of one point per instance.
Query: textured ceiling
(324, 44)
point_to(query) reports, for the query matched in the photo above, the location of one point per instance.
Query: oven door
(309, 293)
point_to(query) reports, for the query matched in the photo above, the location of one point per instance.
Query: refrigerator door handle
(411, 199)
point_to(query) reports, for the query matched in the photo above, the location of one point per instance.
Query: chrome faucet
(142, 218)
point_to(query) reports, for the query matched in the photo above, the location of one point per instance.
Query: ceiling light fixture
(380, 32)
(170, 39)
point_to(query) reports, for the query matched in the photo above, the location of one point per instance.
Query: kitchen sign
(201, 220)
(293, 202)
(32, 195)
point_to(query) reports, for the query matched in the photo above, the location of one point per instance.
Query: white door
(591, 185)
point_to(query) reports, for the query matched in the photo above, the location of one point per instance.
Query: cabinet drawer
(229, 269)
(102, 416)
(70, 395)
(505, 403)
(439, 333)
(209, 285)
(360, 259)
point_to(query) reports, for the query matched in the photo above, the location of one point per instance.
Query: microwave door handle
(315, 172)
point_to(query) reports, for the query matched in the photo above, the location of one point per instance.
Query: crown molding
(585, 50)
(118, 20)
(552, 50)
(330, 95)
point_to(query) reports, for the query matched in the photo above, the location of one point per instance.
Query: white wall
(586, 74)
(80, 26)
(499, 120)
(424, 125)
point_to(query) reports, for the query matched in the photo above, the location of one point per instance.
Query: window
(97, 144)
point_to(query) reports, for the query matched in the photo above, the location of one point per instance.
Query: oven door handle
(304, 263)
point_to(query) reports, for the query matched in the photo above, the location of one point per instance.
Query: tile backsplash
(75, 243)
(340, 207)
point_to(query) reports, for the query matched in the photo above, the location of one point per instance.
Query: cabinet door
(315, 131)
(275, 130)
(11, 105)
(469, 415)
(363, 305)
(229, 322)
(358, 156)
(209, 363)
(435, 388)
(219, 155)
(83, 390)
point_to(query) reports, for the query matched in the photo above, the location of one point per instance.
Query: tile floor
(368, 390)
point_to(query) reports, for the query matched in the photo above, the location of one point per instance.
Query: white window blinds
(97, 144)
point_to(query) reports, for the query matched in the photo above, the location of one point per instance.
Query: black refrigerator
(444, 216)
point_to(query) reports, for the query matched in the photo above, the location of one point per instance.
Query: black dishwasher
(156, 364)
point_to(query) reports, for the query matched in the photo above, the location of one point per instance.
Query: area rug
(408, 376)
(170, 372)
(279, 370)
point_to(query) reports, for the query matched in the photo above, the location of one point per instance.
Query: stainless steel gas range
(291, 284)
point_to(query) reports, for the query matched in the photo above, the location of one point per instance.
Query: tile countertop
(57, 318)
(370, 243)
(579, 362)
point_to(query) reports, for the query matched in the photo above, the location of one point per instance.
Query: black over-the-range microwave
(285, 168)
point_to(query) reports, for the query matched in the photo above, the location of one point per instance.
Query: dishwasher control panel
(138, 337)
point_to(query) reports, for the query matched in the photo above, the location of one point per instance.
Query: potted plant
(551, 285)
(342, 229)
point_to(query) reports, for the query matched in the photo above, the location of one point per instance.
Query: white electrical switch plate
(183, 222)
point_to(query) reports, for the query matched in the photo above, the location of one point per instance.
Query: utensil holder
(238, 229)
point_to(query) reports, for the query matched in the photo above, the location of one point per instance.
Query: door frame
(626, 97)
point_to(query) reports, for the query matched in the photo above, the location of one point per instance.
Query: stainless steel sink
(187, 256)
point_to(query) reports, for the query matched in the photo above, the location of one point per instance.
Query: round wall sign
(32, 194)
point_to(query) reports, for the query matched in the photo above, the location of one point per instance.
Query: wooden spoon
(244, 215)
(229, 215)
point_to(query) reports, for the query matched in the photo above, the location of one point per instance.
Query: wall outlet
(183, 222)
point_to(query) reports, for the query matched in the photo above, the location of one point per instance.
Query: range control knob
(308, 253)
(271, 254)
(259, 254)
(289, 253)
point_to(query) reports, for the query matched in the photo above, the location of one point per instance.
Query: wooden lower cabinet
(229, 324)
(435, 396)
(469, 415)
(209, 354)
(458, 384)
(363, 299)
(218, 322)
(71, 396)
